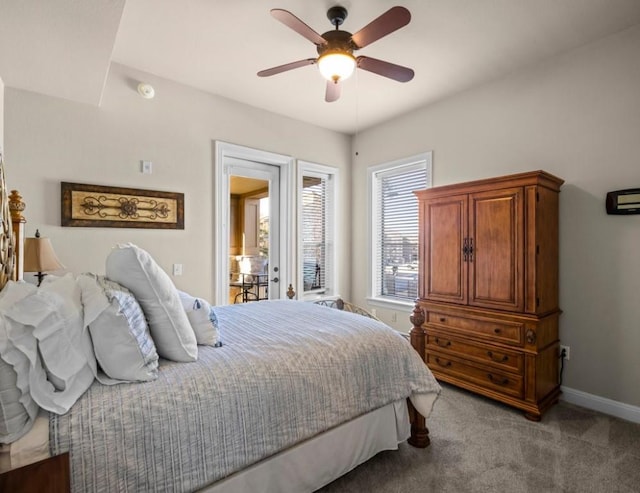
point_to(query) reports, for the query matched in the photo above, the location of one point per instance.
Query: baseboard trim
(601, 404)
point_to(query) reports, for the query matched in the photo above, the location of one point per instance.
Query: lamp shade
(337, 65)
(39, 255)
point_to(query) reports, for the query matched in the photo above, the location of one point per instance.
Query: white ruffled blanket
(43, 336)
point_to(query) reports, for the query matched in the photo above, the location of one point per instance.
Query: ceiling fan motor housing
(337, 41)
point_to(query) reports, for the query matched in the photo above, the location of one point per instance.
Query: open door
(254, 224)
(250, 239)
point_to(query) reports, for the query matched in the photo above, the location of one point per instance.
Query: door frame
(221, 215)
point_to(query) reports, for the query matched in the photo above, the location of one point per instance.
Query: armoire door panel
(496, 265)
(445, 232)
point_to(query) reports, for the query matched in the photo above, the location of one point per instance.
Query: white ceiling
(64, 48)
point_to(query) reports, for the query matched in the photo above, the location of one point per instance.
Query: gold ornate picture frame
(116, 207)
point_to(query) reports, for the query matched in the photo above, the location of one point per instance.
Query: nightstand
(46, 476)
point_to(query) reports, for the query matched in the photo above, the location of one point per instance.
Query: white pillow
(50, 344)
(119, 332)
(135, 269)
(202, 318)
(18, 410)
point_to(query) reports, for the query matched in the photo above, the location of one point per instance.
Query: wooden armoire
(487, 314)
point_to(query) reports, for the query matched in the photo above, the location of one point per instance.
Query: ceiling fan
(335, 48)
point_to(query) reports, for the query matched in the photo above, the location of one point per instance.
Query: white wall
(576, 116)
(49, 140)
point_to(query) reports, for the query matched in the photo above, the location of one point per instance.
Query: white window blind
(395, 228)
(315, 238)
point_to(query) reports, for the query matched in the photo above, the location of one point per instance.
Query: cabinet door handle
(446, 363)
(465, 249)
(443, 343)
(497, 381)
(470, 249)
(497, 357)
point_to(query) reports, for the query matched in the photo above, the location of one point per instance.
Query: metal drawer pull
(443, 320)
(497, 330)
(504, 381)
(448, 363)
(445, 344)
(498, 359)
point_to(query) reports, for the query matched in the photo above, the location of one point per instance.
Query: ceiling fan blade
(392, 20)
(287, 66)
(290, 20)
(333, 91)
(386, 69)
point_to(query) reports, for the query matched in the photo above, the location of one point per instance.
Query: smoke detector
(146, 90)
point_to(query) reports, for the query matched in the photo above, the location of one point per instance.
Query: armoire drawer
(494, 330)
(481, 353)
(487, 377)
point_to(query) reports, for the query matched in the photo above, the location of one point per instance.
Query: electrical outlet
(567, 352)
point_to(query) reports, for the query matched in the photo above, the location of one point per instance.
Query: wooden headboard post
(16, 206)
(8, 266)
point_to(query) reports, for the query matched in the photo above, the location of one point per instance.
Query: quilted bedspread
(287, 371)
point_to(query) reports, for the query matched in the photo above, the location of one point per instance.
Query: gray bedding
(286, 372)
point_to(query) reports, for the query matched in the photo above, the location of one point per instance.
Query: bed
(284, 396)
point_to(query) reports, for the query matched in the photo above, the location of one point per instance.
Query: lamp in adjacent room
(39, 257)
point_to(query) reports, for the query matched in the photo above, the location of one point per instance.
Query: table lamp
(40, 257)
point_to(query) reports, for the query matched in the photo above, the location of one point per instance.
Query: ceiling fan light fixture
(336, 65)
(335, 48)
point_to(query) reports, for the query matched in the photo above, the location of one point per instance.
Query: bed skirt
(320, 460)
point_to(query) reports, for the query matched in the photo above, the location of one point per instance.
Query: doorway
(254, 254)
(254, 217)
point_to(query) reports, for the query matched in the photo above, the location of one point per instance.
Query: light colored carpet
(478, 445)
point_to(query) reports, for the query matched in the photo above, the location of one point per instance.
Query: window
(317, 204)
(394, 227)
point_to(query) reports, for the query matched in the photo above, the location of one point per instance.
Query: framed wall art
(116, 207)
